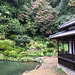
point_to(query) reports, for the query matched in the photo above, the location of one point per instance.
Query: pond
(15, 68)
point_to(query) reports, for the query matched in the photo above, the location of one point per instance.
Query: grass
(59, 69)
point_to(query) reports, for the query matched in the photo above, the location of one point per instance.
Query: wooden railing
(67, 60)
(69, 56)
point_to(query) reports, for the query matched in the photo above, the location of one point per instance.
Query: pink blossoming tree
(43, 15)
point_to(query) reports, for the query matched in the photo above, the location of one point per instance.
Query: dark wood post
(58, 46)
(72, 48)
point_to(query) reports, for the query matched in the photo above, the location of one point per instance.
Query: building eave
(67, 24)
(62, 34)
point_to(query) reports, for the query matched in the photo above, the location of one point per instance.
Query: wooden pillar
(58, 46)
(72, 48)
(68, 47)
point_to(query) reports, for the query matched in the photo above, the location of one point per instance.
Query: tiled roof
(72, 22)
(62, 34)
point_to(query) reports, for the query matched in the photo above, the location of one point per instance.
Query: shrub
(2, 46)
(24, 54)
(51, 49)
(9, 48)
(6, 52)
(39, 46)
(44, 51)
(50, 44)
(6, 45)
(48, 54)
(12, 37)
(2, 29)
(2, 37)
(19, 55)
(13, 54)
(14, 27)
(18, 51)
(22, 40)
(36, 53)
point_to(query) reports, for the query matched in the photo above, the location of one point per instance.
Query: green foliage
(49, 44)
(19, 3)
(14, 27)
(19, 56)
(2, 37)
(24, 54)
(2, 29)
(52, 49)
(9, 48)
(42, 19)
(22, 40)
(5, 45)
(60, 70)
(23, 17)
(18, 51)
(48, 54)
(13, 54)
(12, 37)
(6, 52)
(54, 3)
(36, 53)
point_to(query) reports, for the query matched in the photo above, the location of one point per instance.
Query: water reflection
(15, 68)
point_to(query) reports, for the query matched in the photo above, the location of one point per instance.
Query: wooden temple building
(66, 46)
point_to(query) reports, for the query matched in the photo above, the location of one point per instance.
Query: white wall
(70, 47)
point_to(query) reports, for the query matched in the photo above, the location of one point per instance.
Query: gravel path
(48, 68)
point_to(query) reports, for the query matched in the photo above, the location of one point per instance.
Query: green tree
(42, 17)
(14, 27)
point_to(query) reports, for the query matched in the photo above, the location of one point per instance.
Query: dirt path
(48, 68)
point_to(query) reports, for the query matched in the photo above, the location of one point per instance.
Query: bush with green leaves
(17, 50)
(49, 44)
(2, 37)
(13, 54)
(5, 45)
(52, 49)
(22, 40)
(14, 27)
(36, 53)
(19, 56)
(12, 37)
(6, 52)
(2, 29)
(9, 48)
(48, 54)
(24, 53)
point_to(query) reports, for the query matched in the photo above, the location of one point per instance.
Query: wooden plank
(66, 59)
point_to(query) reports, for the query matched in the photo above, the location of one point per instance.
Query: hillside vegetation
(26, 24)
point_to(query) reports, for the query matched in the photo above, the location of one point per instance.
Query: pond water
(15, 68)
